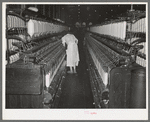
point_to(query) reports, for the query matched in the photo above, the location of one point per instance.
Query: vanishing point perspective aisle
(76, 89)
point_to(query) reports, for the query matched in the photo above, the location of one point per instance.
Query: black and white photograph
(75, 60)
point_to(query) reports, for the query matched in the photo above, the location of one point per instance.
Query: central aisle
(76, 89)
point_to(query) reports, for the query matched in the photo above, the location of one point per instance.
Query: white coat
(72, 49)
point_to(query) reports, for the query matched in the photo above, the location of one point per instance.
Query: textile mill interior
(112, 56)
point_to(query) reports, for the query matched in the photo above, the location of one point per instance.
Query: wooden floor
(76, 90)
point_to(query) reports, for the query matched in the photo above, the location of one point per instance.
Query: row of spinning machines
(36, 66)
(35, 61)
(116, 58)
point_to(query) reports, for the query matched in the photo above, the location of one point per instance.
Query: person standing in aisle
(72, 51)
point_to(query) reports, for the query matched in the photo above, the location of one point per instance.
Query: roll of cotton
(33, 9)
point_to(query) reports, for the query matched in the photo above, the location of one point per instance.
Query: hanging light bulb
(132, 7)
(87, 8)
(90, 23)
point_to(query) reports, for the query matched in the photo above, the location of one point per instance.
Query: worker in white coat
(72, 51)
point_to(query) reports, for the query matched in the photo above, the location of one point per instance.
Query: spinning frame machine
(35, 65)
(116, 58)
(35, 61)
